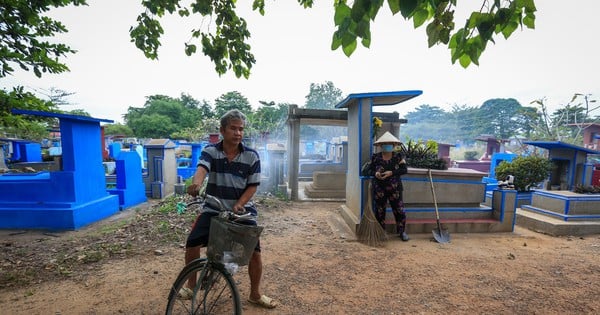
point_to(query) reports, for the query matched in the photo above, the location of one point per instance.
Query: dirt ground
(312, 265)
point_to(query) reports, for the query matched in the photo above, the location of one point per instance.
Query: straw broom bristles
(369, 230)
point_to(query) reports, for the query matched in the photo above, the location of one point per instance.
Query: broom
(369, 230)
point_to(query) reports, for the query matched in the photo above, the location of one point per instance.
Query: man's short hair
(233, 114)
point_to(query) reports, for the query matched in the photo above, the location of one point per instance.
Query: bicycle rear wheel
(214, 292)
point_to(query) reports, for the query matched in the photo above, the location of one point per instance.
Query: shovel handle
(437, 215)
(441, 236)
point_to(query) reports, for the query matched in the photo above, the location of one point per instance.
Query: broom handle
(370, 195)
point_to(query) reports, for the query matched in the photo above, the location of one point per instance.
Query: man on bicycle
(233, 174)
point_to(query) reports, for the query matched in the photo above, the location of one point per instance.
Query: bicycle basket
(237, 240)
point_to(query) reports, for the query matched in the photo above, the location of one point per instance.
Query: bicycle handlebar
(215, 205)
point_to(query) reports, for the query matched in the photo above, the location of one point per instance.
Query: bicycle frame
(215, 291)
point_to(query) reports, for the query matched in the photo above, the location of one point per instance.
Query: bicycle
(230, 245)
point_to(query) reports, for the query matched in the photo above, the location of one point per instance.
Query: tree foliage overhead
(25, 43)
(25, 33)
(225, 45)
(226, 42)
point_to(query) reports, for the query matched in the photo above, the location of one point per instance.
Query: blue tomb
(67, 199)
(186, 167)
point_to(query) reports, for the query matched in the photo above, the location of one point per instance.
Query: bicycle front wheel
(210, 290)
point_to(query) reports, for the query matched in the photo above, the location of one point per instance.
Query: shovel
(439, 234)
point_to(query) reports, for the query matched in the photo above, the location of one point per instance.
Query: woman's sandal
(264, 301)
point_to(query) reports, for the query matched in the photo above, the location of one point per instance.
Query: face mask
(387, 147)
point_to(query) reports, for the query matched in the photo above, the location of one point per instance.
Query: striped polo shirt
(228, 180)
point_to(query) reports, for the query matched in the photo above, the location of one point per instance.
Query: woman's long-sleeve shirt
(398, 169)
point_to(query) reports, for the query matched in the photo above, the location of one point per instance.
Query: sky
(108, 74)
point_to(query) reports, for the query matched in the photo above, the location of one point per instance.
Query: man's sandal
(264, 301)
(185, 293)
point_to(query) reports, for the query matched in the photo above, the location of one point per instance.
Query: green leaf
(359, 10)
(476, 46)
(457, 39)
(346, 27)
(529, 5)
(349, 47)
(464, 61)
(347, 39)
(529, 20)
(374, 9)
(420, 16)
(407, 7)
(184, 12)
(502, 16)
(485, 29)
(509, 29)
(363, 29)
(444, 35)
(190, 49)
(202, 7)
(394, 6)
(342, 12)
(433, 34)
(259, 5)
(366, 42)
(474, 20)
(336, 41)
(306, 3)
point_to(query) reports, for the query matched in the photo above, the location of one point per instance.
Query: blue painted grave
(67, 199)
(186, 167)
(497, 158)
(130, 185)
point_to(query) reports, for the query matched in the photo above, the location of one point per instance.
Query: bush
(527, 170)
(580, 189)
(422, 155)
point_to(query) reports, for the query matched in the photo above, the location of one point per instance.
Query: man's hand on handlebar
(193, 190)
(238, 209)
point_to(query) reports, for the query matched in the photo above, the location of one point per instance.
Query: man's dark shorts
(199, 234)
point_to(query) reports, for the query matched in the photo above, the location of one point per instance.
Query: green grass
(108, 229)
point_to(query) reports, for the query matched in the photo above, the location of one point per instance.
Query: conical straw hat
(387, 138)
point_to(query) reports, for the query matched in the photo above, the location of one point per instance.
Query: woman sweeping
(387, 185)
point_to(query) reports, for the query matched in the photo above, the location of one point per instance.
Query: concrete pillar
(2, 159)
(504, 204)
(293, 153)
(344, 153)
(358, 152)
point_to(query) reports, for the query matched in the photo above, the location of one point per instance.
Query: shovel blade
(441, 236)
